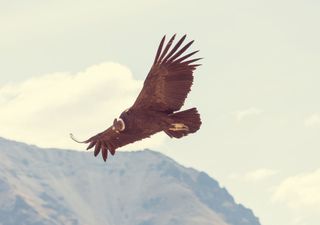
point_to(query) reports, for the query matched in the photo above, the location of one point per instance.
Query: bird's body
(157, 108)
(143, 122)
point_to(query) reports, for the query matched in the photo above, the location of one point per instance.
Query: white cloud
(260, 174)
(243, 114)
(43, 110)
(313, 120)
(300, 192)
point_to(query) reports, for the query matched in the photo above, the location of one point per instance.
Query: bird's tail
(183, 123)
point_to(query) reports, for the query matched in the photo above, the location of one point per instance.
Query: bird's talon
(179, 127)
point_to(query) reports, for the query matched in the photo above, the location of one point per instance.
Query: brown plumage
(156, 107)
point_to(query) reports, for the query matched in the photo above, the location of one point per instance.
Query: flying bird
(157, 106)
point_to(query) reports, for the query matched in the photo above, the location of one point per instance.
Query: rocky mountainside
(51, 186)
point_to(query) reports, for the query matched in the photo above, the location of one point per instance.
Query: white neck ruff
(123, 125)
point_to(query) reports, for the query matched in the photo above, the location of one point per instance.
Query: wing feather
(97, 148)
(170, 78)
(180, 52)
(186, 56)
(159, 50)
(166, 48)
(109, 140)
(190, 61)
(91, 145)
(175, 48)
(104, 151)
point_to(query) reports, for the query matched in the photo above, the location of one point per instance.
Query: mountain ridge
(54, 186)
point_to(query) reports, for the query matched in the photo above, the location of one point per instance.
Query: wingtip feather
(97, 149)
(91, 145)
(159, 49)
(104, 152)
(175, 48)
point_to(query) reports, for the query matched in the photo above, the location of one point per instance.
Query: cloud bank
(44, 110)
(300, 192)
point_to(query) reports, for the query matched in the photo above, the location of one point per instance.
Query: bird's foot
(179, 127)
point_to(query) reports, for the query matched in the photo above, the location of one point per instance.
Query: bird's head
(118, 125)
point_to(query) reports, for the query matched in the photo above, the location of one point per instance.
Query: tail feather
(184, 123)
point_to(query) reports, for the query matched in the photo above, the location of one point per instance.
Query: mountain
(52, 186)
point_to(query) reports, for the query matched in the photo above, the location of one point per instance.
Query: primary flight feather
(157, 106)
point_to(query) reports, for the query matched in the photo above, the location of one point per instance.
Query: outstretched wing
(109, 140)
(170, 78)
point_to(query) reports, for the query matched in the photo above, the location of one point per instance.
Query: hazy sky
(73, 66)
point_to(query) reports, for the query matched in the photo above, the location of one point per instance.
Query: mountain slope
(46, 186)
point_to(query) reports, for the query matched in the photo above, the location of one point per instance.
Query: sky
(73, 66)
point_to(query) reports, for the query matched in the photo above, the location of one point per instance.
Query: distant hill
(51, 186)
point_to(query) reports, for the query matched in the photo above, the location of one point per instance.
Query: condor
(157, 106)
